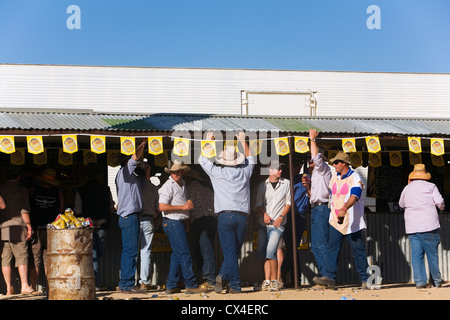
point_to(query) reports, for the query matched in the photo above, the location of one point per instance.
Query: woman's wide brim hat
(230, 157)
(419, 173)
(176, 166)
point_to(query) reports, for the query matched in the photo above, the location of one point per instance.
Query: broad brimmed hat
(49, 176)
(419, 173)
(341, 156)
(177, 165)
(230, 157)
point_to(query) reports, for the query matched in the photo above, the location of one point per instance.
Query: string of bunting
(181, 147)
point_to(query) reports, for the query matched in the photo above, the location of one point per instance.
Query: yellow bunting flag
(127, 145)
(70, 144)
(113, 158)
(437, 161)
(40, 159)
(155, 145)
(35, 144)
(281, 146)
(18, 157)
(437, 147)
(301, 144)
(162, 159)
(255, 147)
(395, 158)
(7, 144)
(331, 155)
(356, 159)
(373, 144)
(98, 144)
(64, 158)
(348, 145)
(375, 159)
(414, 144)
(89, 157)
(181, 147)
(208, 149)
(415, 158)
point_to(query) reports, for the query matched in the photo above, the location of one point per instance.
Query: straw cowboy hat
(419, 173)
(177, 165)
(341, 156)
(49, 176)
(230, 157)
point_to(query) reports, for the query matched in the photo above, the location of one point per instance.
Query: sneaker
(265, 286)
(274, 286)
(325, 281)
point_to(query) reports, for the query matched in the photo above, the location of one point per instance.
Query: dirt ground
(348, 292)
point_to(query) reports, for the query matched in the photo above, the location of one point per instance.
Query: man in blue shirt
(231, 184)
(129, 206)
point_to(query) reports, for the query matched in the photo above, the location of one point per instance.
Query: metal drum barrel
(70, 265)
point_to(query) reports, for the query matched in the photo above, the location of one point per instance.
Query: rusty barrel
(70, 274)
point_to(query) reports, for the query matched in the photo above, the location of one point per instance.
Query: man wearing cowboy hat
(420, 199)
(231, 184)
(346, 220)
(175, 211)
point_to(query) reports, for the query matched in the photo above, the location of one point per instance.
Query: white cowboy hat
(177, 165)
(229, 157)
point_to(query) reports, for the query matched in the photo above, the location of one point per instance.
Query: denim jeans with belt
(231, 227)
(319, 235)
(130, 249)
(181, 255)
(425, 243)
(358, 248)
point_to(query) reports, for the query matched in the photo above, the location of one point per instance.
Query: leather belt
(316, 204)
(233, 211)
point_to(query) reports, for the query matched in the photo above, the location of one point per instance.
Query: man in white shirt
(273, 202)
(175, 211)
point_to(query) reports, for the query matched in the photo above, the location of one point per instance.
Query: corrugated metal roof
(73, 121)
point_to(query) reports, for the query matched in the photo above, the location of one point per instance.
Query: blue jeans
(268, 239)
(204, 230)
(320, 216)
(231, 228)
(181, 255)
(421, 244)
(98, 244)
(130, 249)
(147, 230)
(358, 248)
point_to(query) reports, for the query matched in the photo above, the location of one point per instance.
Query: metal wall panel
(182, 90)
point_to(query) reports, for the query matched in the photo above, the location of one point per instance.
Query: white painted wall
(219, 91)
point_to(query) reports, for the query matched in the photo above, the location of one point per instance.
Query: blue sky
(244, 34)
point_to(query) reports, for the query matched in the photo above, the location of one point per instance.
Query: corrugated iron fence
(386, 244)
